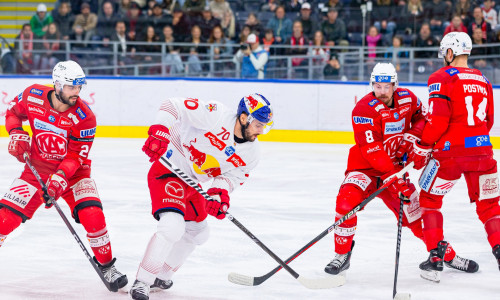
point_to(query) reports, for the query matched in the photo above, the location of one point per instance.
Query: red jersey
(460, 113)
(61, 140)
(378, 131)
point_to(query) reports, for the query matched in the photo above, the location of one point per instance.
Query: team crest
(211, 107)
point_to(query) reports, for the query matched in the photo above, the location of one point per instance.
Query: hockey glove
(157, 142)
(420, 155)
(56, 185)
(219, 206)
(399, 188)
(406, 145)
(19, 143)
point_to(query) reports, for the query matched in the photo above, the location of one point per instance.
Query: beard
(248, 136)
(67, 100)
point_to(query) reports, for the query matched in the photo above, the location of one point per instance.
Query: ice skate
(340, 263)
(462, 264)
(496, 252)
(139, 291)
(433, 266)
(160, 285)
(115, 279)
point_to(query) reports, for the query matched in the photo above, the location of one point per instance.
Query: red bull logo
(252, 102)
(203, 163)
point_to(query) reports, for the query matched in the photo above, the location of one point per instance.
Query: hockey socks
(492, 227)
(92, 219)
(8, 222)
(101, 246)
(171, 228)
(432, 227)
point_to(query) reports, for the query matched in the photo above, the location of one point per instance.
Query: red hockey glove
(400, 188)
(157, 142)
(406, 145)
(19, 143)
(56, 185)
(420, 155)
(220, 205)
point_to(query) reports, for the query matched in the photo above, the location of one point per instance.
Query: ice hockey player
(207, 141)
(63, 128)
(457, 134)
(385, 122)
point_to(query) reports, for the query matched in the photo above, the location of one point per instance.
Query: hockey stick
(320, 283)
(51, 200)
(395, 294)
(252, 281)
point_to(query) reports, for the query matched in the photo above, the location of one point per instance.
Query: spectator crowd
(305, 28)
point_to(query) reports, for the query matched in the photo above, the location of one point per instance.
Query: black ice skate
(139, 291)
(462, 264)
(161, 285)
(496, 252)
(433, 266)
(116, 279)
(340, 263)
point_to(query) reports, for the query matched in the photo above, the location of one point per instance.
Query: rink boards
(304, 111)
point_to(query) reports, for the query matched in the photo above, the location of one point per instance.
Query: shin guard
(432, 227)
(92, 219)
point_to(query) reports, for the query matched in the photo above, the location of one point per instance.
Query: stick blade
(402, 296)
(240, 279)
(322, 283)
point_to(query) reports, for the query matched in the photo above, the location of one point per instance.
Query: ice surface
(287, 201)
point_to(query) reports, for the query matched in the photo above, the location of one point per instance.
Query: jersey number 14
(480, 114)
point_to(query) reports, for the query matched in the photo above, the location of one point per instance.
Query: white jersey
(202, 142)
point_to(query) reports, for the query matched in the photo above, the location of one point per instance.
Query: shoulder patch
(403, 93)
(80, 112)
(452, 71)
(404, 100)
(373, 102)
(362, 120)
(87, 132)
(36, 92)
(435, 87)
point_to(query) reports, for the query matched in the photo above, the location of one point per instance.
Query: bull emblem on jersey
(51, 143)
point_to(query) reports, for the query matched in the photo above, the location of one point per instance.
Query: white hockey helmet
(68, 73)
(459, 42)
(384, 72)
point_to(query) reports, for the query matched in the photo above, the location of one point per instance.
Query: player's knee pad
(8, 221)
(349, 196)
(92, 219)
(430, 201)
(171, 226)
(197, 232)
(487, 209)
